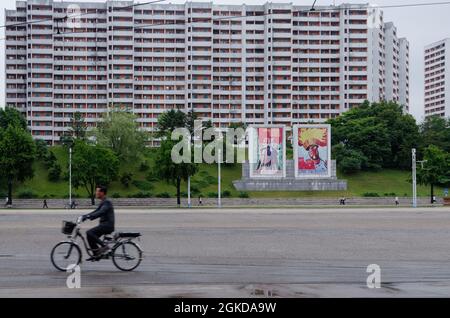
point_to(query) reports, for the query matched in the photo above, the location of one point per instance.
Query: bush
(212, 195)
(226, 194)
(144, 166)
(143, 185)
(163, 195)
(371, 195)
(54, 172)
(243, 195)
(49, 160)
(211, 180)
(152, 177)
(140, 195)
(116, 195)
(200, 184)
(26, 194)
(125, 179)
(195, 189)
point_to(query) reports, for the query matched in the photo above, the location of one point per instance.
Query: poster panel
(267, 151)
(312, 151)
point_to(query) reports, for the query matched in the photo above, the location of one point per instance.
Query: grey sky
(421, 25)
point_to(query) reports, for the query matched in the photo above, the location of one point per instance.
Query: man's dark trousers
(94, 234)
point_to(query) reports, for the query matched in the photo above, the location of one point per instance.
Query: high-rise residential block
(272, 63)
(437, 79)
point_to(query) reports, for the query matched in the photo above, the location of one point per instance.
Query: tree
(166, 169)
(435, 130)
(93, 165)
(349, 160)
(12, 117)
(380, 132)
(435, 170)
(120, 132)
(78, 127)
(17, 153)
(170, 120)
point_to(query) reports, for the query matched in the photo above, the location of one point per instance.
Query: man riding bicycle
(105, 212)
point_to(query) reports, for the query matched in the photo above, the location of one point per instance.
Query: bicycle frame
(73, 239)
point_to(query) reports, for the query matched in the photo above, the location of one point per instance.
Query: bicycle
(68, 253)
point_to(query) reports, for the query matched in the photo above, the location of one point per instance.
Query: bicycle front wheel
(126, 256)
(64, 255)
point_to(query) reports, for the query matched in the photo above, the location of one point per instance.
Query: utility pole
(219, 201)
(70, 177)
(189, 191)
(414, 178)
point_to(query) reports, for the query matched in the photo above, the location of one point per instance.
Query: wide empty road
(241, 253)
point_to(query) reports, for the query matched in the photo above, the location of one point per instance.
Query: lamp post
(219, 198)
(70, 177)
(414, 178)
(189, 191)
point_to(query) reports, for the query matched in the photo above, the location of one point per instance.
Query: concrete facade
(437, 79)
(290, 183)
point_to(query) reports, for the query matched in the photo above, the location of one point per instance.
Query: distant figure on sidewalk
(6, 201)
(45, 206)
(73, 205)
(342, 201)
(200, 202)
(397, 202)
(434, 199)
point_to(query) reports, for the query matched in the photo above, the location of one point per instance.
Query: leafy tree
(166, 169)
(380, 132)
(78, 126)
(17, 153)
(12, 117)
(54, 172)
(436, 168)
(170, 120)
(349, 160)
(435, 130)
(120, 132)
(126, 178)
(93, 165)
(41, 149)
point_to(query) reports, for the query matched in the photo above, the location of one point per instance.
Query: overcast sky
(421, 25)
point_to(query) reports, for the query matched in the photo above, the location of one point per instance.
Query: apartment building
(437, 75)
(271, 63)
(397, 67)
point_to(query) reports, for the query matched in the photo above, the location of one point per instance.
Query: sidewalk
(226, 202)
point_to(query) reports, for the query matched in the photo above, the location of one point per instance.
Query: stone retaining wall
(226, 202)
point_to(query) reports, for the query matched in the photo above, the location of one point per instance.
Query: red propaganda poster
(312, 154)
(267, 151)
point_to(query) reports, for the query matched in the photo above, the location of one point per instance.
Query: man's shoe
(94, 258)
(102, 250)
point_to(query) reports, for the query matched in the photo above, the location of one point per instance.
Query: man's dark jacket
(105, 212)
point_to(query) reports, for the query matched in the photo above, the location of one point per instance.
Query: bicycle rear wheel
(65, 254)
(126, 256)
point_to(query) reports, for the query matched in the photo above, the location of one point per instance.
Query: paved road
(242, 252)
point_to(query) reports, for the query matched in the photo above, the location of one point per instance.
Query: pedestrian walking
(6, 201)
(45, 206)
(434, 199)
(200, 201)
(397, 202)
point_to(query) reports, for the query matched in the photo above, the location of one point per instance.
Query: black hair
(103, 189)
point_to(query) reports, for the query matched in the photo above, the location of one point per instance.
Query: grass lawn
(385, 182)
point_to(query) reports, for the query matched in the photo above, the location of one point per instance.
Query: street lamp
(70, 176)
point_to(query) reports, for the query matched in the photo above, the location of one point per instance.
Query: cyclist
(105, 212)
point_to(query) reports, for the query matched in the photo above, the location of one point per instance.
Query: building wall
(437, 73)
(271, 63)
